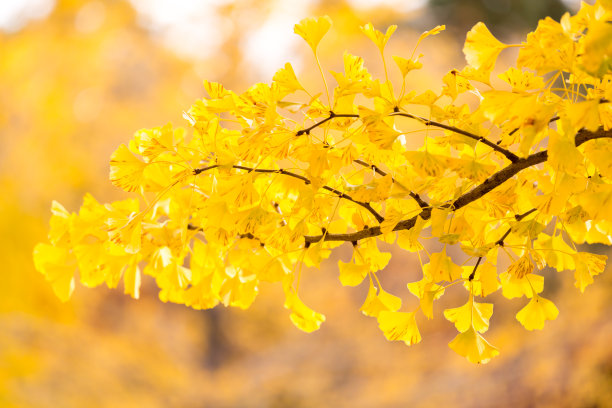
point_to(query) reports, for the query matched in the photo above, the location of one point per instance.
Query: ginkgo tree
(265, 182)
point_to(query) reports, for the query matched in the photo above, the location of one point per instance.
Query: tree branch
(507, 153)
(477, 192)
(518, 217)
(330, 117)
(416, 197)
(339, 193)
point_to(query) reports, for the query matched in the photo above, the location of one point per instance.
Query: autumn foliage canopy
(508, 174)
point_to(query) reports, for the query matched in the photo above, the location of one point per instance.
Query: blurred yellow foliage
(85, 90)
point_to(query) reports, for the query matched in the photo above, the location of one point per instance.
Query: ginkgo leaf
(473, 346)
(482, 48)
(485, 280)
(287, 79)
(472, 314)
(312, 30)
(427, 292)
(513, 287)
(522, 81)
(150, 143)
(377, 37)
(378, 302)
(408, 240)
(399, 326)
(369, 254)
(352, 274)
(378, 190)
(126, 232)
(126, 170)
(302, 316)
(583, 114)
(523, 266)
(434, 31)
(455, 84)
(537, 311)
(407, 65)
(58, 266)
(59, 224)
(587, 266)
(597, 57)
(442, 268)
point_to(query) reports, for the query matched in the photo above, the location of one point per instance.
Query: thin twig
(518, 217)
(383, 173)
(339, 193)
(507, 153)
(331, 116)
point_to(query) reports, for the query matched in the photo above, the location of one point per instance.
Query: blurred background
(77, 78)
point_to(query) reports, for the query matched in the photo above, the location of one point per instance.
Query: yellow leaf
(482, 48)
(352, 274)
(434, 31)
(522, 81)
(126, 232)
(523, 266)
(376, 303)
(599, 153)
(377, 37)
(286, 78)
(547, 49)
(58, 266)
(59, 223)
(409, 240)
(369, 254)
(455, 84)
(312, 29)
(583, 115)
(597, 56)
(587, 266)
(150, 143)
(537, 311)
(513, 287)
(407, 65)
(302, 316)
(442, 268)
(472, 314)
(399, 326)
(555, 251)
(473, 346)
(126, 171)
(485, 280)
(377, 190)
(427, 292)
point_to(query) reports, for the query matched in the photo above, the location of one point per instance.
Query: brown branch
(339, 193)
(471, 277)
(507, 153)
(416, 197)
(477, 192)
(331, 116)
(518, 217)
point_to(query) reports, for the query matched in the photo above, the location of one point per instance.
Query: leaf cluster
(272, 179)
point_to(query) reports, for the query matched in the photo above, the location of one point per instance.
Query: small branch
(331, 116)
(339, 193)
(507, 153)
(471, 277)
(278, 210)
(518, 217)
(556, 118)
(380, 172)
